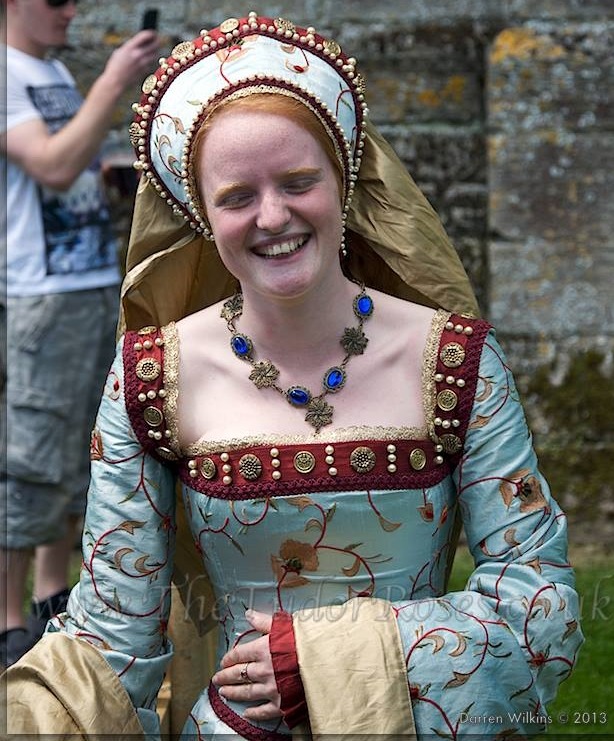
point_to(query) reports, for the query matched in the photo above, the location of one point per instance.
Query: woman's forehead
(240, 140)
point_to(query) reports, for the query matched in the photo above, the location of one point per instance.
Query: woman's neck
(290, 331)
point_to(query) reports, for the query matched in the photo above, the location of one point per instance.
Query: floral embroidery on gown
(289, 524)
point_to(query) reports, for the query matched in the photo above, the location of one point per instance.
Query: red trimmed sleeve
(285, 665)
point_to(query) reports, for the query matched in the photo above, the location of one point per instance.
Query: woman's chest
(333, 543)
(236, 400)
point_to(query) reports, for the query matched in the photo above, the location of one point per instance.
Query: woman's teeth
(282, 248)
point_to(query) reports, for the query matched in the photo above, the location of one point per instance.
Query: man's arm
(56, 160)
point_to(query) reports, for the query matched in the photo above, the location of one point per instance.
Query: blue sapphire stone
(298, 396)
(364, 305)
(334, 379)
(241, 345)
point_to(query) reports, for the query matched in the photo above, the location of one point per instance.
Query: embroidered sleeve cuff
(285, 665)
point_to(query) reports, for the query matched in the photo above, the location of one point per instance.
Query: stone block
(472, 252)
(307, 13)
(422, 74)
(448, 163)
(442, 12)
(551, 76)
(531, 356)
(559, 9)
(451, 12)
(558, 289)
(465, 205)
(439, 157)
(422, 95)
(552, 184)
(462, 210)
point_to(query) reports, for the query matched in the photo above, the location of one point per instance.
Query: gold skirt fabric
(43, 698)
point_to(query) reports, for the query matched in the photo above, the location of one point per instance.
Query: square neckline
(354, 433)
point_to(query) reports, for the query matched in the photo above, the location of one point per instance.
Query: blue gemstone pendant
(298, 396)
(334, 379)
(363, 306)
(241, 345)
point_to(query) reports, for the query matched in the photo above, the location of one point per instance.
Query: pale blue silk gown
(286, 524)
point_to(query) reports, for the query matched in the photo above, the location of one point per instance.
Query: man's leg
(14, 638)
(42, 378)
(51, 587)
(14, 565)
(52, 564)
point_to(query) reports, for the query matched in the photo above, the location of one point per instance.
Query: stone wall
(503, 111)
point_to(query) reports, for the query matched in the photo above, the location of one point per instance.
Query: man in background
(62, 282)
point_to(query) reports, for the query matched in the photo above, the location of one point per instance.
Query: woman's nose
(273, 213)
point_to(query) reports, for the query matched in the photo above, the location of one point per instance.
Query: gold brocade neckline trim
(356, 433)
(346, 434)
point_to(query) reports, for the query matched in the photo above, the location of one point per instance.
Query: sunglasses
(59, 3)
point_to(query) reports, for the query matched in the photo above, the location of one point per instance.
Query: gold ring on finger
(245, 676)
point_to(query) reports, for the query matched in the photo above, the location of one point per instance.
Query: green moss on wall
(579, 408)
(577, 449)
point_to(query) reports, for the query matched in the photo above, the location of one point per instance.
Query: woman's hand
(247, 672)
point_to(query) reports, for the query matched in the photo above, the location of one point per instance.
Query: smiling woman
(282, 205)
(301, 355)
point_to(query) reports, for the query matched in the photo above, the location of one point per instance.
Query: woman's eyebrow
(227, 190)
(302, 172)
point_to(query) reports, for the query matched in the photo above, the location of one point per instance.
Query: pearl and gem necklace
(264, 374)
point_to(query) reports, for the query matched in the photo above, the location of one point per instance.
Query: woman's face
(273, 202)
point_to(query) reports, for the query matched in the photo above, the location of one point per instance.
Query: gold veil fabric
(396, 244)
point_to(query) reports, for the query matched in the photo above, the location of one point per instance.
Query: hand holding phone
(150, 19)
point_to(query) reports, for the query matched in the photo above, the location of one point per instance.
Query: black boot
(42, 612)
(14, 643)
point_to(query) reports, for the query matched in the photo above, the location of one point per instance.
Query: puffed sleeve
(486, 660)
(122, 601)
(489, 659)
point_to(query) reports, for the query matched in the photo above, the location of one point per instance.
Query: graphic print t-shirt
(56, 241)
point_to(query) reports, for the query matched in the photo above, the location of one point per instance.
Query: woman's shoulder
(436, 323)
(205, 322)
(397, 319)
(394, 307)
